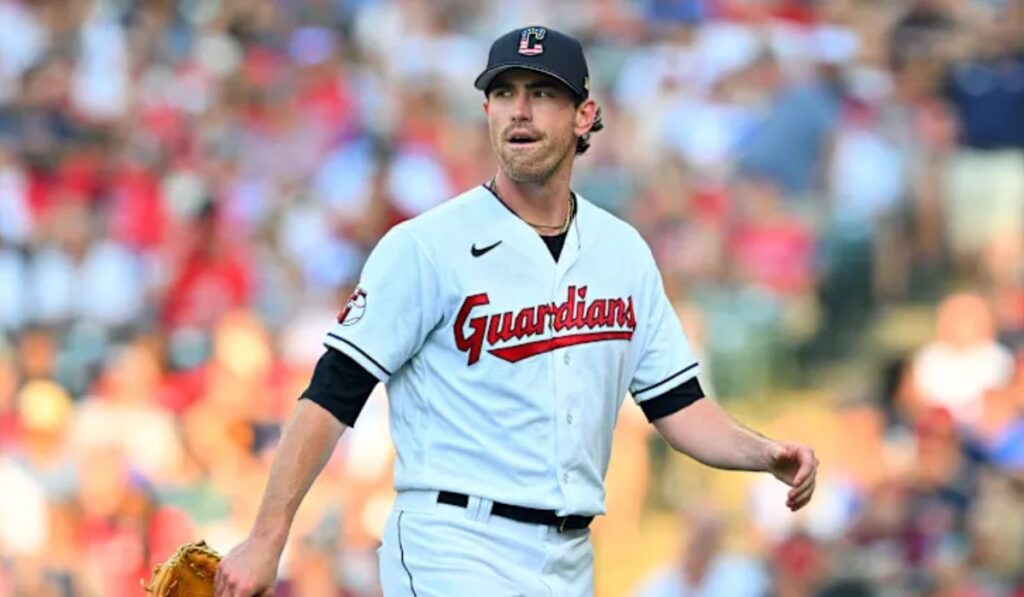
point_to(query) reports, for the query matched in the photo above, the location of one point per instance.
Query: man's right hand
(248, 569)
(307, 442)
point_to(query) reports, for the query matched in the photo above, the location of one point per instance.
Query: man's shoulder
(439, 221)
(612, 229)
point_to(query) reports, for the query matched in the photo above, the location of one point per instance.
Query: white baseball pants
(439, 550)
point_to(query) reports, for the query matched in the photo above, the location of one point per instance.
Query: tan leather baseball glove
(189, 572)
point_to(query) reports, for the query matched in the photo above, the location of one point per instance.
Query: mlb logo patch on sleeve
(354, 309)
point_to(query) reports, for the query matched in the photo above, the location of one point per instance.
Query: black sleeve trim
(340, 385)
(360, 351)
(666, 380)
(672, 401)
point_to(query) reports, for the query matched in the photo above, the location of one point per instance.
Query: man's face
(532, 120)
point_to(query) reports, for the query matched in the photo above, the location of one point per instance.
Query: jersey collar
(507, 222)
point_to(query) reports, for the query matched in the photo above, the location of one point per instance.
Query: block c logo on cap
(529, 41)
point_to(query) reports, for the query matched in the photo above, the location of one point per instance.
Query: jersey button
(565, 477)
(568, 418)
(565, 358)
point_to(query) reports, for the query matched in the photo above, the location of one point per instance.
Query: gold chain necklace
(562, 228)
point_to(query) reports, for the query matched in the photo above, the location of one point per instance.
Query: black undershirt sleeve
(672, 401)
(340, 385)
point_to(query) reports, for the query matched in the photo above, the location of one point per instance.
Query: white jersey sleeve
(392, 310)
(666, 359)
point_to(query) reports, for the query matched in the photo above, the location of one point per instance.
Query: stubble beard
(534, 167)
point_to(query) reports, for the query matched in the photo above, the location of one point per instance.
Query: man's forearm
(307, 442)
(705, 432)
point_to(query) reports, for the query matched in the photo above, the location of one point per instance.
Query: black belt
(573, 522)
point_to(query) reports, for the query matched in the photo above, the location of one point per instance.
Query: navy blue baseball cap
(539, 49)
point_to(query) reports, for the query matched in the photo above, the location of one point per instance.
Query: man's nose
(521, 108)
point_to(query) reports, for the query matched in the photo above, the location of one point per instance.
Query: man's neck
(545, 202)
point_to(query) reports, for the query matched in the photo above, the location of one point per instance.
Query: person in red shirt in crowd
(118, 526)
(211, 276)
(772, 248)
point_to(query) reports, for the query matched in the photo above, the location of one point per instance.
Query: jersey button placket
(565, 440)
(569, 444)
(562, 384)
(558, 384)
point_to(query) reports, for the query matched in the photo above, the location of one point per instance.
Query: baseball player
(508, 325)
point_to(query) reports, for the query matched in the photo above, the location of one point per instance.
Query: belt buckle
(562, 523)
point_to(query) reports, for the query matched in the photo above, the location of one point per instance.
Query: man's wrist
(767, 455)
(274, 534)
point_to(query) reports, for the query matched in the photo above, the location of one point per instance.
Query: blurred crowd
(188, 191)
(921, 491)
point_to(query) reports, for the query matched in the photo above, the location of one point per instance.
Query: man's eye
(502, 92)
(543, 93)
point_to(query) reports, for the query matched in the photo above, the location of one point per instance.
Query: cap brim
(484, 80)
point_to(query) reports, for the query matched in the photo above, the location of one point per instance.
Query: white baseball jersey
(504, 368)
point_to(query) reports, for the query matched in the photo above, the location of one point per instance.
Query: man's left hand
(796, 466)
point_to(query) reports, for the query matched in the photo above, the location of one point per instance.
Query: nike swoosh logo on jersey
(478, 252)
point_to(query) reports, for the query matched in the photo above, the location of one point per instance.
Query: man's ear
(586, 114)
(487, 108)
